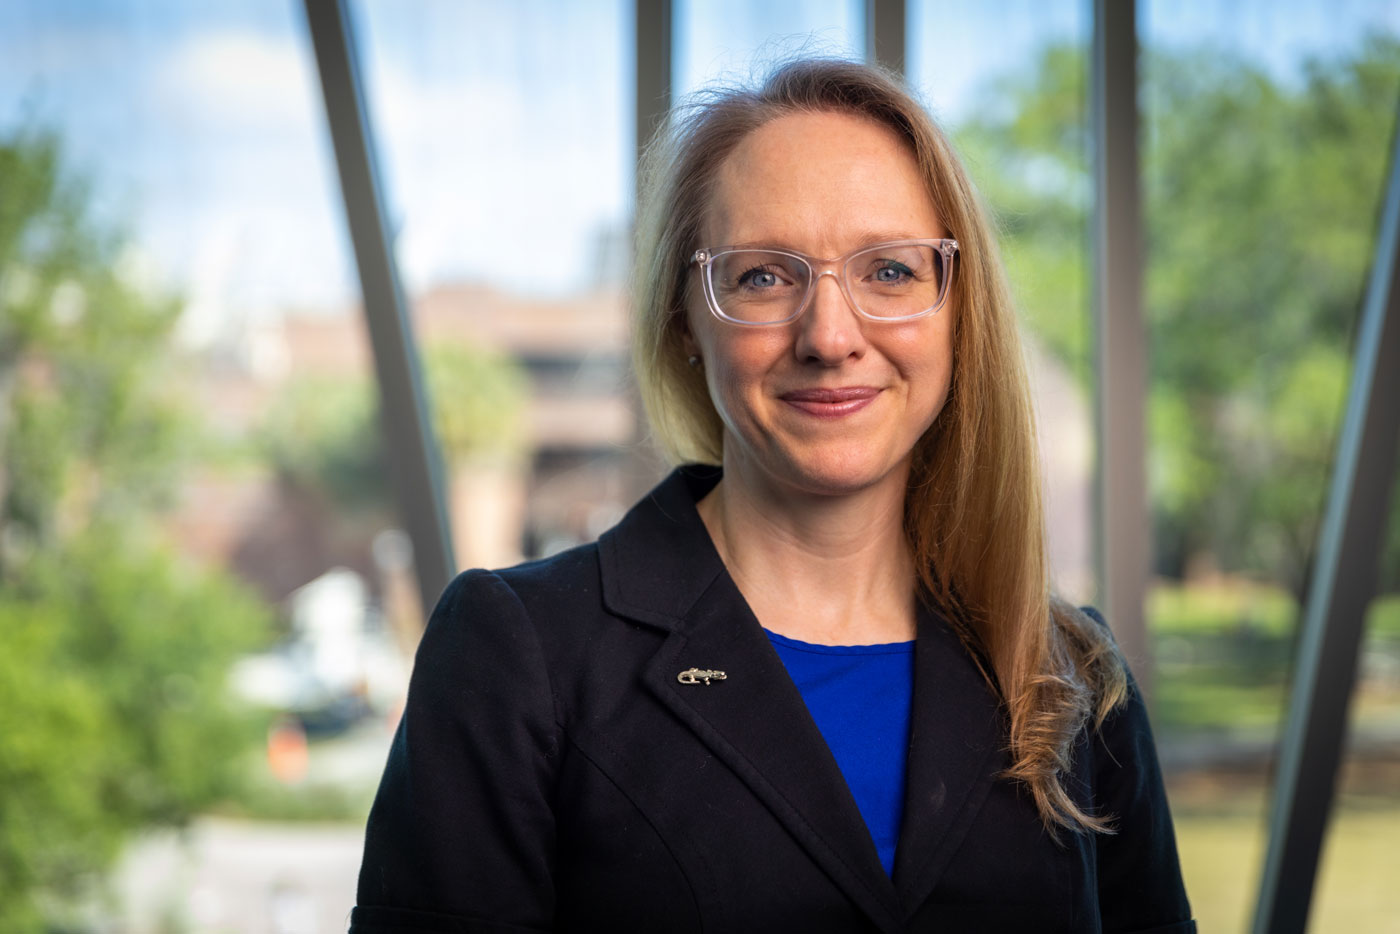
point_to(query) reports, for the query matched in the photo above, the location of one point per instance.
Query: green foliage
(116, 709)
(53, 825)
(478, 399)
(1206, 610)
(1028, 152)
(268, 800)
(112, 682)
(1225, 652)
(323, 435)
(1383, 618)
(77, 349)
(1260, 208)
(1220, 699)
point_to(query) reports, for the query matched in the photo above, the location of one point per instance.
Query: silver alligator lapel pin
(700, 676)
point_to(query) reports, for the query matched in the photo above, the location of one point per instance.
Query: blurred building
(580, 468)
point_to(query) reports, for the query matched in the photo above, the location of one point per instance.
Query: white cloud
(493, 181)
(240, 77)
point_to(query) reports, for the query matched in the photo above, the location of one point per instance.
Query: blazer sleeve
(461, 834)
(1140, 886)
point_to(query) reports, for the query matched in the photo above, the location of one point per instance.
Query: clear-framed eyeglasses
(894, 281)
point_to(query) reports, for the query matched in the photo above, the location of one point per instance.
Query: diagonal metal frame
(409, 443)
(653, 49)
(1123, 542)
(885, 26)
(1343, 584)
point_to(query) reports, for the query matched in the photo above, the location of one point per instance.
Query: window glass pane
(1356, 886)
(733, 40)
(508, 157)
(506, 148)
(187, 438)
(1266, 135)
(1009, 81)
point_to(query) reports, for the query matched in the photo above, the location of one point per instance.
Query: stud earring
(693, 360)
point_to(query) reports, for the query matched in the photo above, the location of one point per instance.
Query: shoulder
(1115, 678)
(569, 579)
(1140, 885)
(485, 614)
(563, 584)
(549, 613)
(1118, 733)
(1125, 768)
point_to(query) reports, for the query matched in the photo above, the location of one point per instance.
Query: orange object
(286, 751)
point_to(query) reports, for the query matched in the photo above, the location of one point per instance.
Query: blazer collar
(659, 559)
(660, 567)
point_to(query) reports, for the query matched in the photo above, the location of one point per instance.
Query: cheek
(739, 360)
(737, 363)
(928, 366)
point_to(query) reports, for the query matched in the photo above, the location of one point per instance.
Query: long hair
(973, 512)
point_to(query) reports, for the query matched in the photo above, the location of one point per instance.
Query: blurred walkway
(235, 877)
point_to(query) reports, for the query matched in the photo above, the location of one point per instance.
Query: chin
(842, 472)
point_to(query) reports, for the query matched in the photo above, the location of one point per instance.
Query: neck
(822, 568)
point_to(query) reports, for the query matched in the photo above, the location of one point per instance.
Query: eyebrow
(862, 239)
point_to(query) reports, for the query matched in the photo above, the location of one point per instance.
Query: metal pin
(699, 676)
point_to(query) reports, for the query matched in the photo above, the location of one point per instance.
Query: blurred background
(207, 600)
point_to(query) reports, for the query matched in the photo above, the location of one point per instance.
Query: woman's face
(830, 403)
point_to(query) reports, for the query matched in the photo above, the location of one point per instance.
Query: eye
(759, 277)
(892, 273)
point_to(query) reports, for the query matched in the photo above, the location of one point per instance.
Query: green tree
(112, 683)
(1028, 153)
(478, 400)
(1260, 207)
(324, 436)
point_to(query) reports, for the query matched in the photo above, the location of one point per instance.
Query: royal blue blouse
(860, 697)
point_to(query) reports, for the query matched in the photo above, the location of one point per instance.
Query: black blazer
(552, 773)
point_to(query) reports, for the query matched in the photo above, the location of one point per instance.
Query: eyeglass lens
(759, 286)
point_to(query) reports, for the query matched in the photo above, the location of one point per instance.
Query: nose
(829, 330)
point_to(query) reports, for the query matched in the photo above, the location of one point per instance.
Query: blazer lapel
(659, 566)
(756, 722)
(956, 747)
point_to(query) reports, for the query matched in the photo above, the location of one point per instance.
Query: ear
(692, 347)
(688, 341)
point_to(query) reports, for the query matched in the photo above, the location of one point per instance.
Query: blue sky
(504, 127)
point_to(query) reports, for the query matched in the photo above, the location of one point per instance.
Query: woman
(821, 685)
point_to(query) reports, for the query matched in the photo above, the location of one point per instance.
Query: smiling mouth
(831, 403)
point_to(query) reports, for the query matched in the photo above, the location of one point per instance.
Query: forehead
(821, 183)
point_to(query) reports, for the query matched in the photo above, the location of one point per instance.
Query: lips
(831, 403)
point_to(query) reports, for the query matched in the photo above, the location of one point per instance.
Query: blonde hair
(973, 512)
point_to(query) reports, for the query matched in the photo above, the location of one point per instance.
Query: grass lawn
(1224, 667)
(1358, 886)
